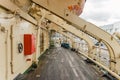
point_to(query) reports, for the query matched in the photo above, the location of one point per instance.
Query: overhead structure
(102, 36)
(63, 33)
(60, 23)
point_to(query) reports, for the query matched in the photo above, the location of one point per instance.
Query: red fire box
(29, 44)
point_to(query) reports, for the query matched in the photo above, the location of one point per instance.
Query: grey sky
(101, 12)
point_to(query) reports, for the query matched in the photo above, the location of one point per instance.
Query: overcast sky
(101, 12)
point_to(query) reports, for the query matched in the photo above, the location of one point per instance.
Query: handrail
(108, 70)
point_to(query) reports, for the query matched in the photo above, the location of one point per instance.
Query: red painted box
(29, 44)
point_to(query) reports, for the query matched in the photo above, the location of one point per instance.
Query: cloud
(100, 1)
(98, 16)
(101, 12)
(97, 3)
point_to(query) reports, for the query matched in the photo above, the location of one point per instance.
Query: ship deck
(63, 64)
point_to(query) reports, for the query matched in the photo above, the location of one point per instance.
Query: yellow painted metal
(60, 9)
(69, 28)
(38, 37)
(12, 49)
(7, 4)
(62, 5)
(12, 20)
(68, 36)
(6, 42)
(3, 49)
(117, 34)
(60, 30)
(91, 29)
(99, 64)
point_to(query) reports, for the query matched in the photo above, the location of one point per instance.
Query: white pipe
(6, 45)
(38, 35)
(11, 37)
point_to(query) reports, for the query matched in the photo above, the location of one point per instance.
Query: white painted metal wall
(14, 27)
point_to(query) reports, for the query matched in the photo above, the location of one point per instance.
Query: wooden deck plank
(63, 64)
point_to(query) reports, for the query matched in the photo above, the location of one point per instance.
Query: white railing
(101, 54)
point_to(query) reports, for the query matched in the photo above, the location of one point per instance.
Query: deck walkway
(63, 64)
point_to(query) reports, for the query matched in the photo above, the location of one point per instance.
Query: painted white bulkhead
(12, 30)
